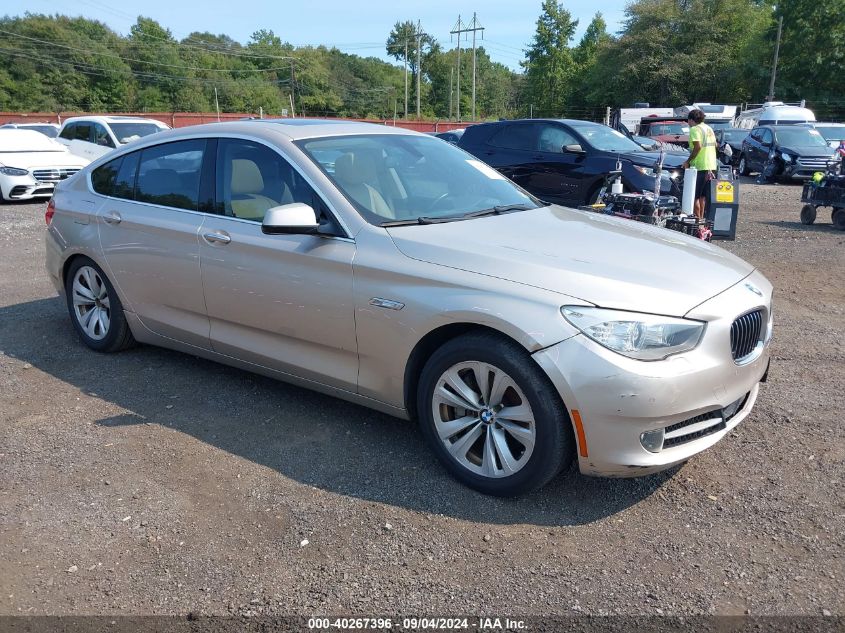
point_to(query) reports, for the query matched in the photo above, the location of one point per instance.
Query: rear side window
(517, 136)
(169, 174)
(69, 132)
(117, 177)
(82, 132)
(103, 178)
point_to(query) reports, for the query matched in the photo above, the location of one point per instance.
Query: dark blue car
(565, 161)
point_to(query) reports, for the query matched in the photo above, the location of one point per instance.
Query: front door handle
(112, 217)
(217, 238)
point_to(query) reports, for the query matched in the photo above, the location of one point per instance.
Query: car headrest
(246, 177)
(357, 168)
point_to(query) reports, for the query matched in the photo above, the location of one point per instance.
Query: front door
(149, 235)
(279, 301)
(557, 172)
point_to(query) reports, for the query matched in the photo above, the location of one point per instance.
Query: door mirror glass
(573, 148)
(295, 218)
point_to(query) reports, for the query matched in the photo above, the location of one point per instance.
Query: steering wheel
(435, 202)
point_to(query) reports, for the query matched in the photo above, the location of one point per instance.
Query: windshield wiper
(421, 220)
(499, 209)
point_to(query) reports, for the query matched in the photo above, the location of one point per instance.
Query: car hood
(607, 261)
(806, 152)
(31, 160)
(648, 159)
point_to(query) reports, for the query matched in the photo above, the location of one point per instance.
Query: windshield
(718, 125)
(669, 128)
(393, 177)
(833, 133)
(126, 132)
(799, 137)
(603, 138)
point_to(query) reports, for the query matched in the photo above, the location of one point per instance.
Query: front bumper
(617, 399)
(25, 188)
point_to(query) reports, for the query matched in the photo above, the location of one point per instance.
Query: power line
(138, 61)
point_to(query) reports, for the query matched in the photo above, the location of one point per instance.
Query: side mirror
(574, 148)
(287, 219)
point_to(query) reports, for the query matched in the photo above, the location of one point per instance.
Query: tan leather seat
(247, 187)
(353, 171)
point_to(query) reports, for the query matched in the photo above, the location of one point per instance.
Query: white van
(774, 113)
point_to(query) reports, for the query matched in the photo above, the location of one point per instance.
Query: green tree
(550, 67)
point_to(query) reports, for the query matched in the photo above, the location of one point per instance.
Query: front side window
(398, 177)
(252, 178)
(169, 174)
(101, 136)
(553, 139)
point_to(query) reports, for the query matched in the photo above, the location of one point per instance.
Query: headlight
(13, 171)
(636, 335)
(786, 157)
(645, 171)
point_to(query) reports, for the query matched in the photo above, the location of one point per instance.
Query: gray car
(396, 271)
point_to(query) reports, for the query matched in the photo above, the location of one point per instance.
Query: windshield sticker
(488, 171)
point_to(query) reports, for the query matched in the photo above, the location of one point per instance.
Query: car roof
(109, 119)
(296, 129)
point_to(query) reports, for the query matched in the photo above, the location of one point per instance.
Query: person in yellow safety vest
(702, 147)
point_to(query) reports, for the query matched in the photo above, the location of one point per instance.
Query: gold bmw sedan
(393, 270)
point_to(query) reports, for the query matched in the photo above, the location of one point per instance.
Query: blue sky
(359, 27)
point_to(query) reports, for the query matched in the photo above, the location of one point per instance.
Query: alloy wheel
(483, 419)
(91, 305)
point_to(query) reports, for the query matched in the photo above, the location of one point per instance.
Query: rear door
(279, 301)
(512, 149)
(149, 230)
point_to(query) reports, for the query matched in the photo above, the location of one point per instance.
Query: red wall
(182, 119)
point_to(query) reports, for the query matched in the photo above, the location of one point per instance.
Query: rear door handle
(112, 217)
(216, 238)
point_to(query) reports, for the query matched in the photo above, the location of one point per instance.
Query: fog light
(652, 441)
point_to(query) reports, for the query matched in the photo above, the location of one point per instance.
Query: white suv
(93, 136)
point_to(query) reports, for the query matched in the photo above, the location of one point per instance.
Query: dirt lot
(153, 482)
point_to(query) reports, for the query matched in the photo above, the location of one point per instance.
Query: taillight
(51, 209)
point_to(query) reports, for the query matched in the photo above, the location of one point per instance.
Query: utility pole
(292, 89)
(406, 77)
(475, 27)
(419, 67)
(458, 29)
(216, 104)
(451, 79)
(771, 96)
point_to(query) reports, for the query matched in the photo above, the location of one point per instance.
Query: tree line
(668, 52)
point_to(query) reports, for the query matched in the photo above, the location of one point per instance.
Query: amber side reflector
(579, 430)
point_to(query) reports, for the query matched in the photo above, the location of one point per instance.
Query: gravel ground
(151, 482)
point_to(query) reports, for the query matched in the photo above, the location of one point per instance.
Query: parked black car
(565, 161)
(798, 151)
(734, 137)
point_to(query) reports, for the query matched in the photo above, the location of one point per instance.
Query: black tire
(838, 219)
(808, 214)
(117, 335)
(554, 444)
(742, 166)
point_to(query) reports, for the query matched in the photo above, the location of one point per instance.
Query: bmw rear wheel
(492, 416)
